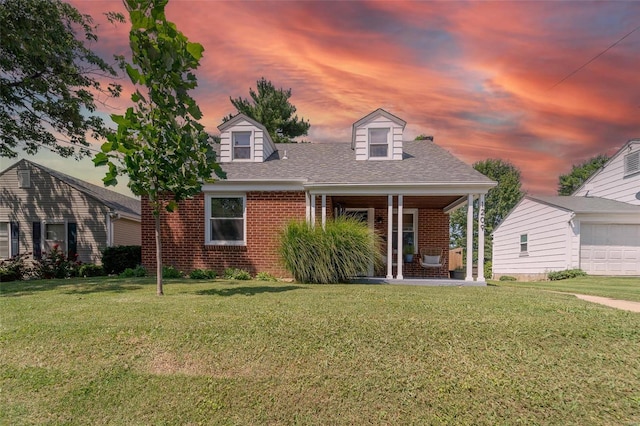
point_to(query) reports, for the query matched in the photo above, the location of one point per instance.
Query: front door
(365, 216)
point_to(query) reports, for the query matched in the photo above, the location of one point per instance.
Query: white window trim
(414, 212)
(207, 220)
(251, 146)
(389, 144)
(628, 172)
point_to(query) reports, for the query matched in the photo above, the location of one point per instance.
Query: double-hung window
(226, 219)
(5, 241)
(55, 234)
(379, 143)
(241, 145)
(524, 244)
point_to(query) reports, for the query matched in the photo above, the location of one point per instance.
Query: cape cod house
(596, 229)
(389, 183)
(41, 207)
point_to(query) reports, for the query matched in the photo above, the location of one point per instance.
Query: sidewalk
(618, 304)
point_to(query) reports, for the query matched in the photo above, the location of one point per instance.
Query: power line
(594, 58)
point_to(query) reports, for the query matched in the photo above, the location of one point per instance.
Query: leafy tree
(498, 202)
(567, 184)
(159, 143)
(423, 137)
(271, 107)
(49, 79)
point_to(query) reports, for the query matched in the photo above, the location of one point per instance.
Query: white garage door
(610, 249)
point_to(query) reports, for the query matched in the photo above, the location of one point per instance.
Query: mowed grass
(109, 351)
(623, 288)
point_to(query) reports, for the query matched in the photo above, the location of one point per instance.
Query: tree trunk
(159, 291)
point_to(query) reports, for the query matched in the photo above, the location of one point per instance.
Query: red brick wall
(183, 235)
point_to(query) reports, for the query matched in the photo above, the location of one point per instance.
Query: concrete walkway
(625, 305)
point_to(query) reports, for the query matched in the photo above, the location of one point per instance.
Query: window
(5, 251)
(225, 220)
(524, 240)
(409, 230)
(241, 145)
(24, 179)
(378, 143)
(54, 234)
(632, 163)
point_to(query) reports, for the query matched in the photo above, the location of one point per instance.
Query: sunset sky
(484, 78)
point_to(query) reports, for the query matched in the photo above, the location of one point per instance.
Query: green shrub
(203, 274)
(345, 248)
(91, 270)
(56, 264)
(15, 268)
(171, 272)
(236, 274)
(488, 270)
(566, 274)
(265, 276)
(138, 271)
(117, 259)
(508, 278)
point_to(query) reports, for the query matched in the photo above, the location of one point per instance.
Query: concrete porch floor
(435, 282)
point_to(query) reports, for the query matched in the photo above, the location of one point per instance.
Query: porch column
(481, 239)
(313, 210)
(324, 210)
(399, 254)
(389, 236)
(307, 206)
(469, 276)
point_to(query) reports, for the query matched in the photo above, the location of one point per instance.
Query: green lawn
(624, 288)
(109, 351)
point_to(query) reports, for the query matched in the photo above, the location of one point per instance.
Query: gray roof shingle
(586, 204)
(423, 162)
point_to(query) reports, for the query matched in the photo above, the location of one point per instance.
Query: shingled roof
(318, 163)
(586, 204)
(118, 202)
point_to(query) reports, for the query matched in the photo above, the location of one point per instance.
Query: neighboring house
(597, 229)
(387, 182)
(40, 208)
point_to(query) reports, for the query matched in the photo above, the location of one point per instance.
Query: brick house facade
(388, 183)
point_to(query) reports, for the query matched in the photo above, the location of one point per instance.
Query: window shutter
(72, 241)
(37, 238)
(15, 238)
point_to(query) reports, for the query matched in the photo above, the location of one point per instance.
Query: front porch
(423, 219)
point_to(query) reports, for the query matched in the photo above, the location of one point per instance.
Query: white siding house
(597, 229)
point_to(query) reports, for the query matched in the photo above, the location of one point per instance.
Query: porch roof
(330, 164)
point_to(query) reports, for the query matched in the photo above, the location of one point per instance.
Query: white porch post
(469, 276)
(481, 239)
(324, 210)
(313, 210)
(399, 254)
(307, 207)
(389, 236)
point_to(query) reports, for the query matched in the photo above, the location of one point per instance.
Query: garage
(610, 249)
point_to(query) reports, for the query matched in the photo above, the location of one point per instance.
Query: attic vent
(24, 178)
(632, 163)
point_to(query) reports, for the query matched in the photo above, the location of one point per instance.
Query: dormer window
(241, 145)
(379, 143)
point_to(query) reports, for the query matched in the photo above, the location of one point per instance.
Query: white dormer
(378, 136)
(242, 139)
